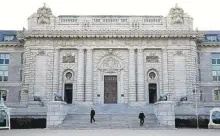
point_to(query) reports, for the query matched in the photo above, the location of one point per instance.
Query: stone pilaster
(80, 76)
(132, 86)
(56, 71)
(165, 72)
(140, 75)
(89, 79)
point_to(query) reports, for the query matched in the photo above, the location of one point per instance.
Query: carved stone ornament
(85, 25)
(44, 14)
(152, 59)
(69, 58)
(110, 65)
(177, 14)
(135, 25)
(179, 53)
(41, 52)
(152, 75)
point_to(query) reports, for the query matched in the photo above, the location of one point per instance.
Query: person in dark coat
(92, 114)
(141, 117)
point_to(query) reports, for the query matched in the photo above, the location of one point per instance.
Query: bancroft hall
(62, 66)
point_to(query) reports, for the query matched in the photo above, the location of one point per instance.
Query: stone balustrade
(56, 113)
(165, 113)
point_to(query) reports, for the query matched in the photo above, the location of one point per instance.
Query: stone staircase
(115, 116)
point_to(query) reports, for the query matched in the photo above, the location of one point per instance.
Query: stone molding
(114, 34)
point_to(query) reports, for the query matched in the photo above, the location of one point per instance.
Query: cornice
(112, 34)
(209, 44)
(11, 44)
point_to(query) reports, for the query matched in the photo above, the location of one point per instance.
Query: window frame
(3, 75)
(6, 56)
(6, 97)
(213, 95)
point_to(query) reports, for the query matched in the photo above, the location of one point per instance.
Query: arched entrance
(110, 79)
(68, 80)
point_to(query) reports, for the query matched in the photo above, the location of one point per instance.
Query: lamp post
(197, 117)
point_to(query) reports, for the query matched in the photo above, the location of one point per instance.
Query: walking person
(92, 114)
(141, 117)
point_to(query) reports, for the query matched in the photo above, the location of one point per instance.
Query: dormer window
(211, 37)
(9, 37)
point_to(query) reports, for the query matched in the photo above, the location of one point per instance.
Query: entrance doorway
(152, 93)
(68, 93)
(110, 89)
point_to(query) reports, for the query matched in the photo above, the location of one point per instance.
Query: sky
(14, 13)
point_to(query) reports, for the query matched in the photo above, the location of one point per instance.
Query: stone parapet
(56, 113)
(164, 111)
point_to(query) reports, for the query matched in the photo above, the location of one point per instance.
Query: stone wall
(164, 111)
(56, 113)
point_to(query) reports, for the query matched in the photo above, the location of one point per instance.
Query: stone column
(56, 72)
(140, 75)
(89, 80)
(80, 76)
(132, 86)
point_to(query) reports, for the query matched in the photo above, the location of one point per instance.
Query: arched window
(3, 94)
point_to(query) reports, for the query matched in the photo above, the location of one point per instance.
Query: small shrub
(26, 123)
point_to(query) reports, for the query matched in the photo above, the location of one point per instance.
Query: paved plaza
(110, 132)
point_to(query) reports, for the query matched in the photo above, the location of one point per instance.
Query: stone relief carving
(41, 52)
(110, 64)
(44, 14)
(85, 25)
(177, 14)
(69, 58)
(135, 25)
(178, 53)
(152, 75)
(152, 59)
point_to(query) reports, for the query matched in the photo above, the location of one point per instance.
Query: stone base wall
(164, 111)
(56, 113)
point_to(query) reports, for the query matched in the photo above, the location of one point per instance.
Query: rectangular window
(3, 94)
(199, 75)
(216, 66)
(8, 37)
(216, 95)
(213, 61)
(4, 58)
(21, 73)
(214, 75)
(3, 76)
(211, 37)
(198, 57)
(22, 57)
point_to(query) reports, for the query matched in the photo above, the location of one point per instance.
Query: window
(3, 76)
(22, 57)
(3, 94)
(8, 37)
(217, 95)
(4, 58)
(216, 66)
(199, 75)
(198, 57)
(21, 74)
(211, 37)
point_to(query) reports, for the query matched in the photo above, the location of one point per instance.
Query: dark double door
(110, 89)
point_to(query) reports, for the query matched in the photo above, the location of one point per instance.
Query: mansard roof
(14, 42)
(8, 33)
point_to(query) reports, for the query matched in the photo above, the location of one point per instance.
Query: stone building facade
(108, 60)
(145, 55)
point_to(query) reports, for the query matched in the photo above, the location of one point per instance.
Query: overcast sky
(14, 13)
